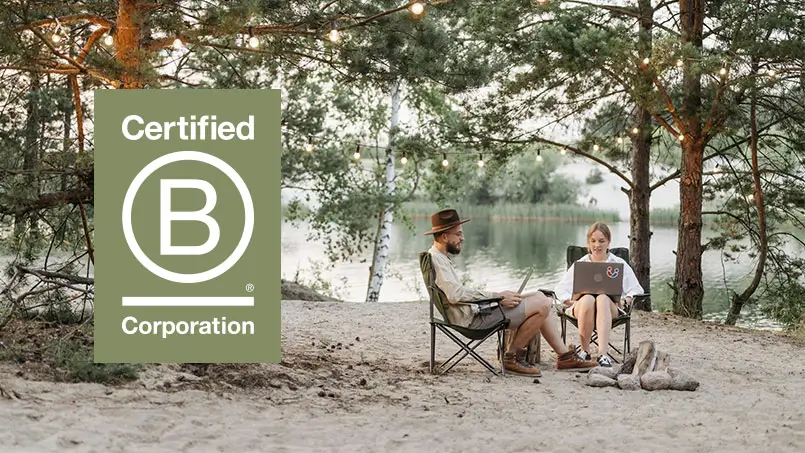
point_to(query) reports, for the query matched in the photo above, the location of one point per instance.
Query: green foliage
(74, 363)
(595, 177)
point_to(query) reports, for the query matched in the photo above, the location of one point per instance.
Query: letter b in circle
(167, 216)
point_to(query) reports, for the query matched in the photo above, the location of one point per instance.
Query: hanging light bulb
(177, 44)
(595, 147)
(480, 160)
(564, 151)
(679, 63)
(334, 35)
(56, 38)
(646, 60)
(444, 160)
(253, 41)
(309, 146)
(635, 130)
(357, 154)
(771, 73)
(681, 137)
(404, 159)
(539, 155)
(620, 140)
(417, 8)
(108, 40)
(723, 71)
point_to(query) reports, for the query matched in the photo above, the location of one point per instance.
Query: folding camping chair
(476, 337)
(575, 252)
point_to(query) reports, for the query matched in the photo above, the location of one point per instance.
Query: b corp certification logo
(186, 237)
(167, 216)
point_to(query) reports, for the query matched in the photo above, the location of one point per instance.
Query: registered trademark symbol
(249, 287)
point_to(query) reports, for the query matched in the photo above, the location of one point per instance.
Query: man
(528, 313)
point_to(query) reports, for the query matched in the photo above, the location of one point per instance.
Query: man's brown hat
(444, 220)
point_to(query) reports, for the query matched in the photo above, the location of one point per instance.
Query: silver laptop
(525, 280)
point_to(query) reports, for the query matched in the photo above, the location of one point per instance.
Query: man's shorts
(516, 316)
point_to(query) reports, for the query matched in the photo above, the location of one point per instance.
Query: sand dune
(354, 378)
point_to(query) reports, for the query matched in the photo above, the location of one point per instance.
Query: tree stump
(533, 350)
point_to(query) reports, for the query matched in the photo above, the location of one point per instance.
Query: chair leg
(564, 329)
(432, 347)
(627, 339)
(501, 350)
(465, 347)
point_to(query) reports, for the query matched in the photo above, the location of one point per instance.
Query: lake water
(496, 256)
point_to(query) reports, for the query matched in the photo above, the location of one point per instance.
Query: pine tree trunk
(127, 38)
(32, 143)
(688, 287)
(640, 194)
(383, 238)
(738, 300)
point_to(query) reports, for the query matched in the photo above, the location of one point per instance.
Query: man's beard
(453, 249)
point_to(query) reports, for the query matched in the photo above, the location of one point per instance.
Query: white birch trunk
(383, 238)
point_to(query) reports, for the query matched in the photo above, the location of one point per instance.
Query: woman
(597, 311)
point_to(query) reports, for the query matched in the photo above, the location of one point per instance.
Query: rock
(656, 380)
(610, 372)
(628, 382)
(682, 381)
(599, 380)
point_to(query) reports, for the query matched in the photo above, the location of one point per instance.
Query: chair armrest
(480, 301)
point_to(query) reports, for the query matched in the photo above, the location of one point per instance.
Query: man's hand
(511, 299)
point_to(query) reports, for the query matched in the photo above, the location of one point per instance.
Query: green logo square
(185, 187)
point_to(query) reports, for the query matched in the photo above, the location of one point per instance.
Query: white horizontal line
(188, 301)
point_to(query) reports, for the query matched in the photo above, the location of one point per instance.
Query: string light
(681, 137)
(357, 154)
(309, 145)
(723, 71)
(177, 44)
(679, 63)
(253, 41)
(539, 155)
(635, 130)
(595, 147)
(620, 140)
(417, 8)
(404, 159)
(646, 60)
(563, 152)
(108, 40)
(334, 36)
(771, 73)
(444, 160)
(56, 38)
(480, 160)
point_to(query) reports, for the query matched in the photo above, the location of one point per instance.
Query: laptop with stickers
(598, 278)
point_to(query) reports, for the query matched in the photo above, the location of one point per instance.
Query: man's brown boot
(515, 363)
(571, 361)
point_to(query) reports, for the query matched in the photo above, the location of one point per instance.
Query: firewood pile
(645, 368)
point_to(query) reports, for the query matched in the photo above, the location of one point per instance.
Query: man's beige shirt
(448, 281)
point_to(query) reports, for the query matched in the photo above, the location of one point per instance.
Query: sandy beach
(354, 378)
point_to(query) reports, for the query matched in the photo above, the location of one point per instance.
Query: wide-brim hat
(444, 220)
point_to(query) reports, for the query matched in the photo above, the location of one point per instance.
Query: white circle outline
(248, 207)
